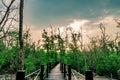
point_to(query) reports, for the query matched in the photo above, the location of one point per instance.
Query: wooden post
(61, 67)
(47, 70)
(5, 76)
(88, 75)
(69, 72)
(64, 70)
(20, 75)
(32, 76)
(11, 76)
(118, 76)
(42, 72)
(49, 67)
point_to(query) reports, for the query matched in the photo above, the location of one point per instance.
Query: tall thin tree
(20, 34)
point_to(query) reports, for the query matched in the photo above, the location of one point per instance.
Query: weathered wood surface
(55, 74)
(8, 77)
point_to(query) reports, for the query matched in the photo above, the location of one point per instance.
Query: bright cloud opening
(77, 24)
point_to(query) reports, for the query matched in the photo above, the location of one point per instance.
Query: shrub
(107, 65)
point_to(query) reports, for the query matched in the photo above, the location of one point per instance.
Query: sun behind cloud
(77, 24)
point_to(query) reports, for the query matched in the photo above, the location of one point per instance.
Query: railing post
(64, 70)
(20, 75)
(61, 67)
(32, 77)
(11, 76)
(88, 75)
(69, 72)
(118, 75)
(49, 67)
(47, 70)
(5, 76)
(42, 72)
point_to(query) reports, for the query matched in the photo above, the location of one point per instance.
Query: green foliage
(53, 56)
(9, 60)
(75, 60)
(107, 65)
(35, 59)
(30, 63)
(2, 45)
(101, 56)
(118, 73)
(41, 57)
(2, 59)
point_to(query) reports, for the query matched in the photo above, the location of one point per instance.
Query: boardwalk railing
(8, 77)
(34, 75)
(76, 75)
(38, 74)
(41, 73)
(72, 74)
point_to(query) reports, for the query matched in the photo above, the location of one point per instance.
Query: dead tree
(7, 11)
(6, 17)
(20, 34)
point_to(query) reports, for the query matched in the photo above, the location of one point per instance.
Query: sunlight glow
(77, 24)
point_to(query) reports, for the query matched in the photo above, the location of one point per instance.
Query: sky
(63, 13)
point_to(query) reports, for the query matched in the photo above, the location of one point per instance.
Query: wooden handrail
(37, 75)
(74, 75)
(42, 72)
(32, 73)
(74, 71)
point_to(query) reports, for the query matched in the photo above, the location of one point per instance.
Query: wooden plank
(55, 74)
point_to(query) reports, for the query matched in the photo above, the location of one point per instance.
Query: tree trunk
(20, 34)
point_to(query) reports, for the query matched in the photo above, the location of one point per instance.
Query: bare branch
(7, 12)
(4, 4)
(6, 31)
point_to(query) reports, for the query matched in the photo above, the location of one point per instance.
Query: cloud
(35, 32)
(92, 29)
(89, 28)
(74, 26)
(109, 23)
(44, 12)
(77, 24)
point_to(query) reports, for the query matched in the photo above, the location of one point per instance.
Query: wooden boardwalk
(55, 74)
